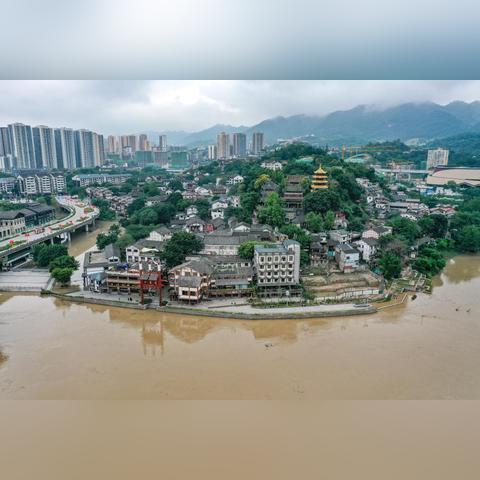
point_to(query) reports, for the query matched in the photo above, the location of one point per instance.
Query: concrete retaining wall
(219, 314)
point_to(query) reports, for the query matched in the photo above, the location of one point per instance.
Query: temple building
(319, 179)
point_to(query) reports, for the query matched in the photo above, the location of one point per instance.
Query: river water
(424, 349)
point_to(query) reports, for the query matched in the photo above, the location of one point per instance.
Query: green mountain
(421, 121)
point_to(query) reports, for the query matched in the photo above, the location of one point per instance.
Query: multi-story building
(7, 184)
(239, 144)
(143, 143)
(162, 143)
(6, 163)
(113, 144)
(437, 158)
(191, 280)
(347, 257)
(44, 146)
(257, 143)
(319, 179)
(12, 222)
(5, 146)
(21, 142)
(65, 148)
(99, 178)
(89, 149)
(278, 265)
(223, 145)
(212, 152)
(36, 183)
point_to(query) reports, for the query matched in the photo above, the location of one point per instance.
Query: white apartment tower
(44, 146)
(437, 158)
(21, 143)
(239, 144)
(212, 152)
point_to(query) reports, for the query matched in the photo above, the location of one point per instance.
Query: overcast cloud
(115, 107)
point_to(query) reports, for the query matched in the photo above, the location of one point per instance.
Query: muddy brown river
(425, 349)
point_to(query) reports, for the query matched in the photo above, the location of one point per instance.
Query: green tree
(136, 205)
(406, 228)
(147, 216)
(261, 180)
(247, 249)
(321, 201)
(329, 220)
(433, 225)
(391, 265)
(469, 239)
(65, 261)
(249, 201)
(62, 275)
(175, 185)
(296, 233)
(179, 246)
(203, 208)
(314, 222)
(165, 212)
(272, 213)
(150, 190)
(47, 253)
(104, 239)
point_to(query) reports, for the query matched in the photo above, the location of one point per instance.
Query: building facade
(223, 146)
(278, 265)
(257, 143)
(437, 157)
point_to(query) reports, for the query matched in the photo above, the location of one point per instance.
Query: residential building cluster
(33, 183)
(23, 147)
(235, 146)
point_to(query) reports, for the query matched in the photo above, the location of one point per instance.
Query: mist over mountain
(410, 121)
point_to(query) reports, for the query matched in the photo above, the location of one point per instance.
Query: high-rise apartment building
(5, 147)
(44, 146)
(162, 143)
(257, 143)
(239, 144)
(89, 149)
(437, 158)
(113, 144)
(21, 142)
(223, 145)
(143, 142)
(212, 152)
(65, 148)
(132, 142)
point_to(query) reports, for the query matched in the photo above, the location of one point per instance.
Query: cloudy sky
(115, 107)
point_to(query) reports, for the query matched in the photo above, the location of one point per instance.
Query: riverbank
(240, 312)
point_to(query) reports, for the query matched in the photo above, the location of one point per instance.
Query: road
(64, 224)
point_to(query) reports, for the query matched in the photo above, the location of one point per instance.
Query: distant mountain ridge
(422, 121)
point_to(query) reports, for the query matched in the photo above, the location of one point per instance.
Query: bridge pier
(87, 229)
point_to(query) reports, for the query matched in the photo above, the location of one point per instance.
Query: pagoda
(319, 179)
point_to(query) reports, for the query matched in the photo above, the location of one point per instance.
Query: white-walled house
(367, 247)
(161, 234)
(235, 180)
(274, 166)
(377, 232)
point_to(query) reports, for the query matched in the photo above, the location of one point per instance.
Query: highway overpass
(15, 250)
